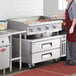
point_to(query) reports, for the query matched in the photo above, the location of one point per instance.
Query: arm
(73, 25)
(74, 18)
(74, 22)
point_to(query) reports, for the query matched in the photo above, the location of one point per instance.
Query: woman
(70, 16)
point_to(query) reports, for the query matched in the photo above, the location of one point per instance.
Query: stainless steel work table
(9, 33)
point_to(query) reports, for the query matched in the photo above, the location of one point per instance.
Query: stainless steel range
(35, 25)
(42, 41)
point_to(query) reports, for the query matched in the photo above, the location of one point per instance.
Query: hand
(71, 30)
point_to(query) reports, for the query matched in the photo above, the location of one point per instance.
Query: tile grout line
(52, 72)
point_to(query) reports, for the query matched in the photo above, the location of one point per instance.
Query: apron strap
(70, 4)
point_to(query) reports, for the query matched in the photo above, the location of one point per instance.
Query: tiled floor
(37, 72)
(49, 69)
(24, 68)
(54, 69)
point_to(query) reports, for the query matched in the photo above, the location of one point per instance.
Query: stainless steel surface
(39, 50)
(19, 57)
(38, 44)
(4, 53)
(33, 25)
(6, 48)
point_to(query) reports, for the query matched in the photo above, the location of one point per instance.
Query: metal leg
(57, 33)
(20, 51)
(17, 58)
(10, 66)
(10, 53)
(4, 71)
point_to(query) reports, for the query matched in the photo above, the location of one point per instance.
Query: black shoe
(67, 62)
(70, 62)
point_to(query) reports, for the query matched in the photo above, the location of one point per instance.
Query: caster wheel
(33, 65)
(30, 66)
(56, 60)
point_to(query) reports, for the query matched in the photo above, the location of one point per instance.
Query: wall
(51, 7)
(20, 8)
(4, 6)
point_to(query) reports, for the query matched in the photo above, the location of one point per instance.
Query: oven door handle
(46, 45)
(46, 55)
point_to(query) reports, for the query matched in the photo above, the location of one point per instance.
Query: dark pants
(71, 51)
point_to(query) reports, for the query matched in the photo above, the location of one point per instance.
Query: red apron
(70, 37)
